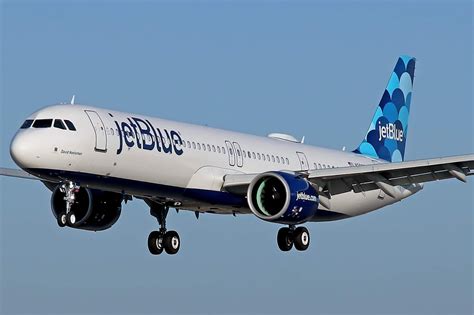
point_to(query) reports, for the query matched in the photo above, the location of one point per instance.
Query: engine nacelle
(282, 198)
(95, 210)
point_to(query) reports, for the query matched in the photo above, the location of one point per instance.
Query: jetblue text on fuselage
(142, 134)
(390, 131)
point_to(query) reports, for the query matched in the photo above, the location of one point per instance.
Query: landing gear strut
(162, 239)
(69, 189)
(289, 236)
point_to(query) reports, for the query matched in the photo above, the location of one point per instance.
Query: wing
(382, 176)
(17, 173)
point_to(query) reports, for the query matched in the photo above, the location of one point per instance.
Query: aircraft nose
(20, 150)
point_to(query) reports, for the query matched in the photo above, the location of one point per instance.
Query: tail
(387, 134)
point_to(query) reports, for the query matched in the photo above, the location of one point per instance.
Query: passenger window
(258, 155)
(194, 145)
(263, 157)
(70, 125)
(223, 150)
(199, 146)
(248, 153)
(58, 123)
(43, 123)
(208, 148)
(27, 124)
(213, 148)
(278, 159)
(273, 158)
(287, 161)
(268, 157)
(189, 144)
(218, 149)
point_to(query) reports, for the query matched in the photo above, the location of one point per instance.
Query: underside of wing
(16, 173)
(386, 175)
(383, 176)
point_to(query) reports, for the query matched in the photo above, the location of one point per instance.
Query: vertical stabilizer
(387, 134)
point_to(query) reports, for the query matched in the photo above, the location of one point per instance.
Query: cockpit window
(42, 123)
(58, 123)
(27, 124)
(70, 125)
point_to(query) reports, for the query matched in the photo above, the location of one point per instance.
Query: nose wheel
(162, 239)
(287, 237)
(69, 189)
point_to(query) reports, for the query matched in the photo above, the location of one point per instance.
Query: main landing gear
(288, 236)
(162, 239)
(69, 189)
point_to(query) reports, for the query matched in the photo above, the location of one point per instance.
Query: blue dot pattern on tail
(386, 137)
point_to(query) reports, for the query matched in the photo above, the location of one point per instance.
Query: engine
(282, 198)
(95, 210)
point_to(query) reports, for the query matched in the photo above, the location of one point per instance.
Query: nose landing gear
(289, 236)
(162, 239)
(69, 189)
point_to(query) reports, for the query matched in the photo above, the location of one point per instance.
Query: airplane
(95, 159)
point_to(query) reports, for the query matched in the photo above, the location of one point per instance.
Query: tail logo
(390, 131)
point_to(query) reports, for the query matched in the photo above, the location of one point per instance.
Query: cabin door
(99, 130)
(303, 161)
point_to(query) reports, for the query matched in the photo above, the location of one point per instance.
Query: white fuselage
(156, 158)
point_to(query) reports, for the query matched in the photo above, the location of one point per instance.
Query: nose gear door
(99, 130)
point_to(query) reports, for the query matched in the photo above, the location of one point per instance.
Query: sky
(307, 68)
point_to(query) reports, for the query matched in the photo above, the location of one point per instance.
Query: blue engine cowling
(282, 198)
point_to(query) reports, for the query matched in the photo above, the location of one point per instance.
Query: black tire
(285, 239)
(171, 242)
(155, 245)
(62, 219)
(71, 219)
(301, 238)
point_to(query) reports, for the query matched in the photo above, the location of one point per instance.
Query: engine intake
(282, 197)
(95, 210)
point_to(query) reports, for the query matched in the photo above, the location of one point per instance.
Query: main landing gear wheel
(158, 241)
(301, 238)
(287, 237)
(155, 243)
(171, 242)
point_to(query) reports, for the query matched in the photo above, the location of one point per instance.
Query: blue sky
(314, 69)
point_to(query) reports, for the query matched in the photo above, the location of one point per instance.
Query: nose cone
(20, 150)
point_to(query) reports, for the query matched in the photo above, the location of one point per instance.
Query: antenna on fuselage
(73, 99)
(302, 140)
